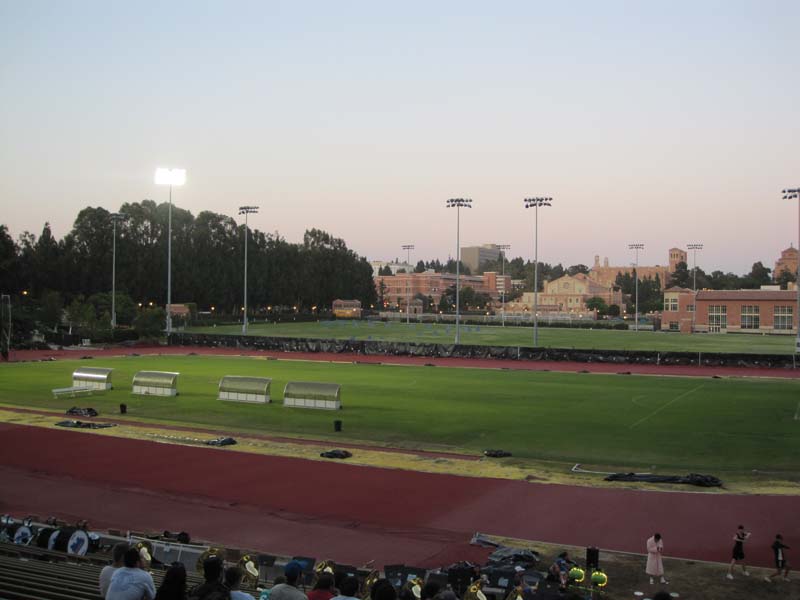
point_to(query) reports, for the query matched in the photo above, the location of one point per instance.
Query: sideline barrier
(95, 378)
(377, 348)
(155, 383)
(244, 389)
(312, 394)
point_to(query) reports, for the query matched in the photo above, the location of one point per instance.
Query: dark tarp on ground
(691, 479)
(382, 348)
(84, 425)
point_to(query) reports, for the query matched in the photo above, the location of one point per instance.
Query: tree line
(207, 262)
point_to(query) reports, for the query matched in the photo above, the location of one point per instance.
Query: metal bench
(72, 392)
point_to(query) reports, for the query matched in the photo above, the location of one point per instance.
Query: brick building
(407, 285)
(720, 311)
(787, 262)
(607, 275)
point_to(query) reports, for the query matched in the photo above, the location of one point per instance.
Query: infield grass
(549, 337)
(636, 422)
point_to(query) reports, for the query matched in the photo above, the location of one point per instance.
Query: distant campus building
(347, 309)
(474, 256)
(396, 288)
(768, 310)
(607, 275)
(787, 262)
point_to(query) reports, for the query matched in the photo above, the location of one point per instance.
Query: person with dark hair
(559, 570)
(131, 582)
(739, 538)
(662, 595)
(655, 566)
(348, 589)
(781, 564)
(429, 590)
(117, 554)
(233, 580)
(173, 586)
(288, 591)
(212, 588)
(323, 588)
(383, 590)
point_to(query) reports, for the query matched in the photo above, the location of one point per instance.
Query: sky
(660, 123)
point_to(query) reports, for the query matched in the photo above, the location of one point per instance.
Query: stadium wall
(371, 347)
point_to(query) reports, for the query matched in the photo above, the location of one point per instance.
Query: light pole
(794, 194)
(636, 248)
(694, 248)
(115, 218)
(458, 203)
(535, 203)
(246, 210)
(5, 325)
(170, 177)
(408, 248)
(503, 248)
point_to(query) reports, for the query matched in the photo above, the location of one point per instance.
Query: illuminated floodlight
(173, 177)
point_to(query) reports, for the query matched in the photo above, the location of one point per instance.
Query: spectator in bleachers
(173, 587)
(131, 582)
(212, 588)
(429, 590)
(233, 580)
(117, 554)
(383, 590)
(323, 589)
(288, 591)
(348, 589)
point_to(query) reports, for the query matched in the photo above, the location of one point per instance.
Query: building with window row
(721, 311)
(396, 288)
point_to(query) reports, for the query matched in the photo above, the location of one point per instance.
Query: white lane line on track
(663, 406)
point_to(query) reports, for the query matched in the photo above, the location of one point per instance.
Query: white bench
(72, 392)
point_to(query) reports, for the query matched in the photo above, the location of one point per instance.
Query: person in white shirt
(131, 582)
(117, 554)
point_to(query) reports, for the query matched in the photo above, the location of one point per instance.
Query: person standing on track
(781, 564)
(738, 551)
(655, 566)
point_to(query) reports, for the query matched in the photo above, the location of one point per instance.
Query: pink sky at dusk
(657, 124)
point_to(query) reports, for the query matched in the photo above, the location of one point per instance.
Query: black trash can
(337, 425)
(123, 409)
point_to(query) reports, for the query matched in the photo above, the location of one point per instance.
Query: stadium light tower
(794, 194)
(115, 218)
(636, 248)
(458, 203)
(176, 178)
(694, 248)
(408, 248)
(503, 248)
(246, 210)
(535, 203)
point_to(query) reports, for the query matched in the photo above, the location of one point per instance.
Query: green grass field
(517, 336)
(688, 424)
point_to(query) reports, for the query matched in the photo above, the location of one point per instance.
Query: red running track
(672, 370)
(354, 514)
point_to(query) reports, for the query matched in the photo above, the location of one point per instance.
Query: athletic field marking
(797, 412)
(640, 397)
(663, 406)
